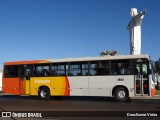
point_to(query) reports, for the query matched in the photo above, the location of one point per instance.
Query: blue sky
(42, 29)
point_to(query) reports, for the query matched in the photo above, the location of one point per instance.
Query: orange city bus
(121, 77)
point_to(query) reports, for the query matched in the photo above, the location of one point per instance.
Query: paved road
(94, 107)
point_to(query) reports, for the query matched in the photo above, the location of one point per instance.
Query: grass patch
(157, 92)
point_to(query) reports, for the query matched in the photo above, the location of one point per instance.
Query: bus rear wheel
(120, 94)
(44, 93)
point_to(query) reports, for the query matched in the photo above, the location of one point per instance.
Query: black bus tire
(121, 95)
(44, 93)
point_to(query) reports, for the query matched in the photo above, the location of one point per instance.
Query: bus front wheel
(44, 93)
(120, 94)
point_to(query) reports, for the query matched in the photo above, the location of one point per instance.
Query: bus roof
(117, 57)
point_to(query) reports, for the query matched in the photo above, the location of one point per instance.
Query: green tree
(108, 52)
(157, 71)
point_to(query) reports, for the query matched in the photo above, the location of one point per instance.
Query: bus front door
(21, 79)
(24, 82)
(142, 79)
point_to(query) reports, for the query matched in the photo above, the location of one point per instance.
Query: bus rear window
(11, 71)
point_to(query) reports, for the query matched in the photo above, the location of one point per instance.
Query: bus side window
(103, 68)
(58, 69)
(42, 70)
(85, 67)
(136, 71)
(11, 71)
(75, 69)
(120, 67)
(93, 68)
(144, 70)
(115, 68)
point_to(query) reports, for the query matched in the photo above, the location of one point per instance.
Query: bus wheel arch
(44, 92)
(120, 93)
